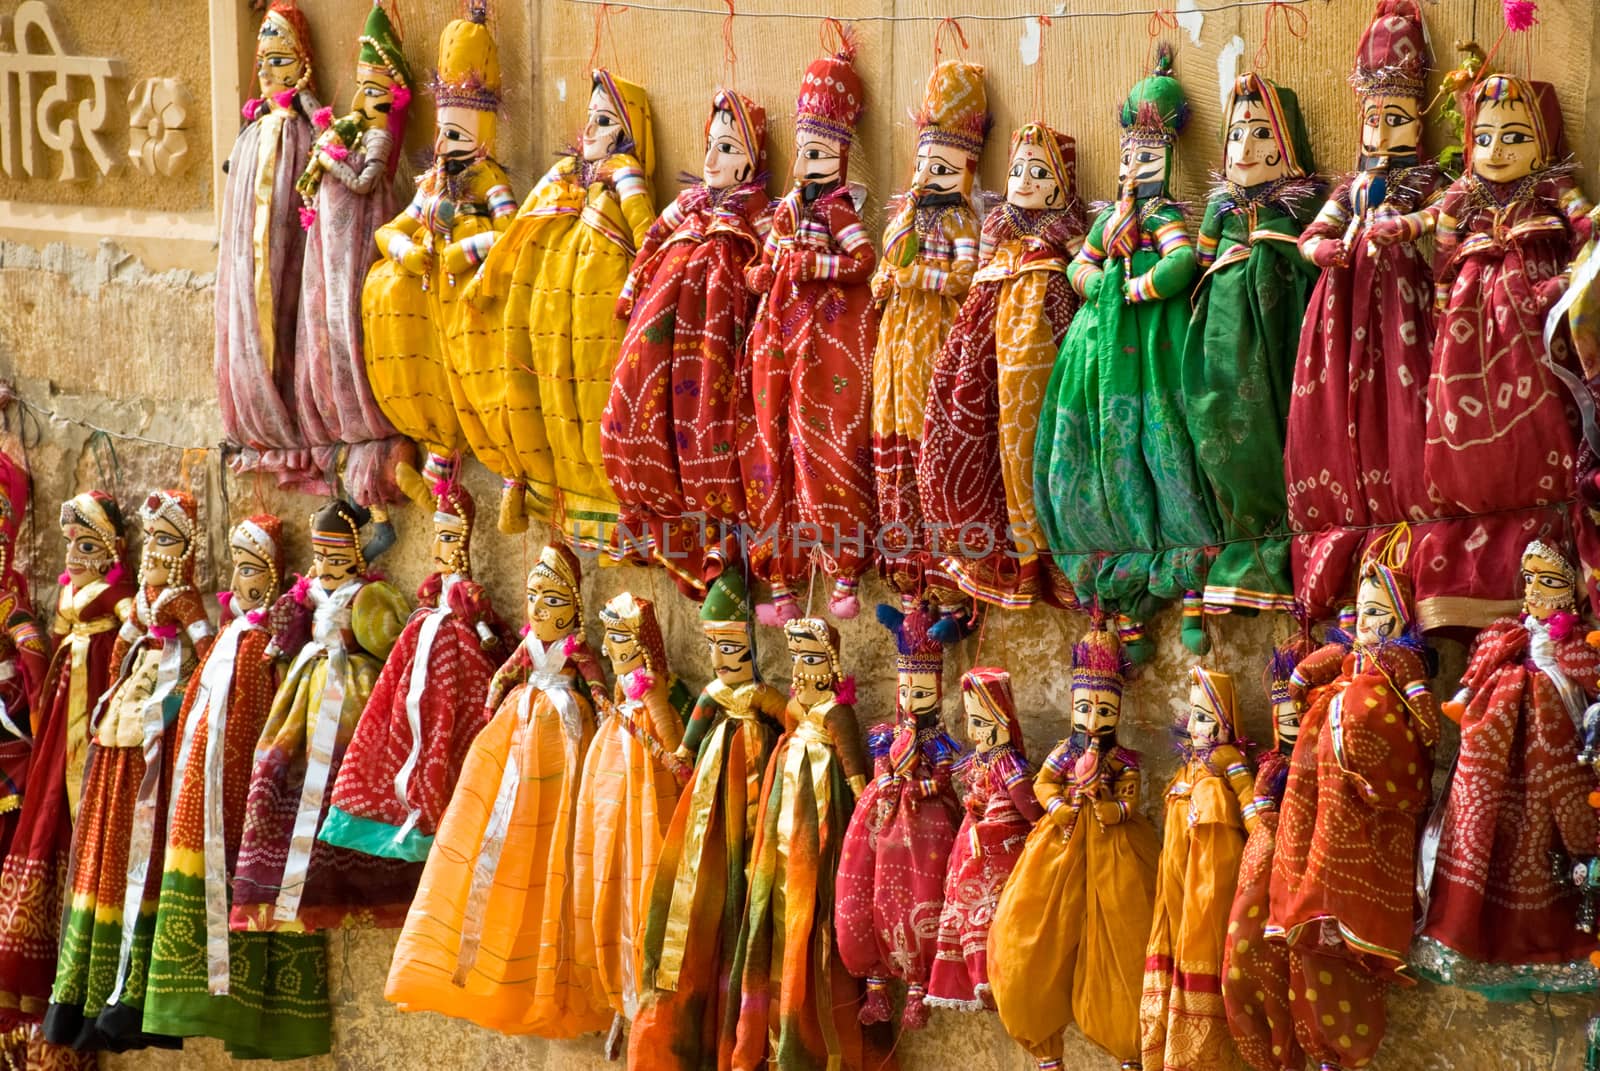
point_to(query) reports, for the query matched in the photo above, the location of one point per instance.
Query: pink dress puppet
(890, 888)
(1001, 809)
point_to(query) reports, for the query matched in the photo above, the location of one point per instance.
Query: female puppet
(1210, 807)
(24, 654)
(95, 599)
(890, 887)
(491, 937)
(348, 188)
(805, 448)
(930, 251)
(798, 1003)
(1116, 485)
(286, 880)
(695, 912)
(431, 250)
(1001, 810)
(1343, 878)
(426, 706)
(975, 474)
(1239, 353)
(535, 341)
(98, 1000)
(204, 980)
(1499, 920)
(667, 435)
(632, 778)
(260, 250)
(1255, 971)
(1066, 944)
(1352, 449)
(1501, 430)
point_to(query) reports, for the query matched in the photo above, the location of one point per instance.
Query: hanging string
(832, 27)
(1295, 20)
(101, 447)
(951, 24)
(967, 17)
(186, 463)
(730, 56)
(1162, 20)
(983, 627)
(1037, 113)
(603, 29)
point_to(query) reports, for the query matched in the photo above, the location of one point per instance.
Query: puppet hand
(624, 307)
(1091, 285)
(413, 259)
(758, 277)
(1330, 253)
(881, 286)
(1583, 227)
(1548, 292)
(1390, 230)
(906, 278)
(456, 261)
(1107, 812)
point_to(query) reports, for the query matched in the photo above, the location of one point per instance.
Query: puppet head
(725, 619)
(1391, 77)
(14, 494)
(1043, 171)
(453, 514)
(919, 662)
(171, 530)
(1266, 137)
(336, 552)
(1213, 716)
(1098, 672)
(1285, 711)
(555, 601)
(1153, 115)
(952, 123)
(633, 635)
(258, 562)
(736, 141)
(1549, 582)
(383, 80)
(619, 121)
(831, 101)
(1383, 593)
(466, 89)
(283, 51)
(92, 525)
(990, 708)
(814, 646)
(1515, 128)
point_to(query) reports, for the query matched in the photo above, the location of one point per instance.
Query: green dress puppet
(1120, 496)
(1238, 360)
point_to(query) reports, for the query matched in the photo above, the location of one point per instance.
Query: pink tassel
(845, 691)
(569, 646)
(638, 684)
(301, 588)
(402, 97)
(525, 630)
(252, 108)
(844, 607)
(64, 579)
(1562, 625)
(284, 99)
(308, 216)
(1521, 15)
(1088, 766)
(115, 574)
(163, 632)
(337, 152)
(255, 617)
(225, 599)
(322, 118)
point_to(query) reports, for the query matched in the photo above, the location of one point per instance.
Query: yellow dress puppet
(1210, 804)
(536, 338)
(430, 251)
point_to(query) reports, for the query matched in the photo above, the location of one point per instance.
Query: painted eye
(1039, 172)
(1236, 134)
(1398, 120)
(1483, 141)
(1261, 133)
(1016, 170)
(1515, 137)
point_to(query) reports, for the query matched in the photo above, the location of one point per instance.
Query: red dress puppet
(1344, 878)
(1001, 809)
(24, 654)
(805, 448)
(1356, 412)
(890, 887)
(669, 428)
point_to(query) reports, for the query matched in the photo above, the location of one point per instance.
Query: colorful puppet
(535, 340)
(668, 431)
(432, 249)
(348, 187)
(805, 449)
(1356, 424)
(491, 936)
(1067, 941)
(1239, 354)
(260, 250)
(109, 923)
(930, 252)
(1116, 483)
(24, 653)
(975, 474)
(890, 888)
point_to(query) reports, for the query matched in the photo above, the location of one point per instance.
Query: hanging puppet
(805, 448)
(692, 946)
(204, 980)
(491, 936)
(1210, 809)
(348, 190)
(1344, 874)
(930, 252)
(1001, 810)
(432, 249)
(798, 1003)
(1352, 452)
(890, 886)
(1238, 359)
(24, 653)
(535, 341)
(287, 880)
(667, 435)
(426, 707)
(1067, 941)
(1499, 920)
(109, 924)
(618, 838)
(1116, 482)
(260, 250)
(1502, 426)
(95, 600)
(1255, 971)
(975, 473)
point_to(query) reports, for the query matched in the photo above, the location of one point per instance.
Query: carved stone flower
(158, 115)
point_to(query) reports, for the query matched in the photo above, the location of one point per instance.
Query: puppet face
(458, 134)
(941, 169)
(1030, 183)
(1391, 127)
(1096, 712)
(252, 579)
(1253, 155)
(731, 657)
(728, 159)
(1205, 720)
(817, 159)
(919, 694)
(1547, 586)
(552, 611)
(278, 65)
(1377, 617)
(374, 95)
(1143, 170)
(450, 545)
(164, 548)
(89, 556)
(604, 129)
(334, 563)
(813, 668)
(1286, 720)
(985, 728)
(1505, 146)
(624, 649)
